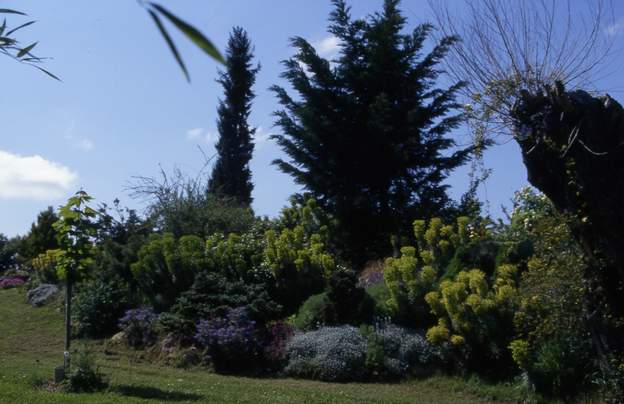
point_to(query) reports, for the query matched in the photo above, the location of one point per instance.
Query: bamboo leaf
(170, 43)
(6, 41)
(9, 11)
(27, 49)
(46, 72)
(3, 27)
(192, 33)
(20, 27)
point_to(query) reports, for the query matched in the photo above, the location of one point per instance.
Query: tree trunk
(573, 147)
(68, 298)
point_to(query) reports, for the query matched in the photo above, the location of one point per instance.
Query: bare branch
(512, 46)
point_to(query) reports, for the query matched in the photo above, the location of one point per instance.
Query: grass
(31, 346)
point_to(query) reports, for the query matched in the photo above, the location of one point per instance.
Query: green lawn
(31, 345)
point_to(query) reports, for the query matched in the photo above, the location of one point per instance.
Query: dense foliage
(373, 273)
(166, 267)
(180, 205)
(86, 376)
(554, 344)
(212, 295)
(97, 307)
(8, 252)
(41, 237)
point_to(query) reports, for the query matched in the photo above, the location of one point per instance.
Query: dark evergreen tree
(42, 235)
(231, 176)
(368, 134)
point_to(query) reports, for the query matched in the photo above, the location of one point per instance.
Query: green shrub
(237, 256)
(343, 303)
(311, 313)
(347, 303)
(181, 206)
(561, 367)
(375, 353)
(96, 308)
(380, 295)
(120, 236)
(212, 294)
(167, 267)
(85, 377)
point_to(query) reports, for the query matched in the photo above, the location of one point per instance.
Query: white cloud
(33, 177)
(328, 47)
(201, 136)
(80, 143)
(305, 69)
(262, 135)
(85, 144)
(616, 28)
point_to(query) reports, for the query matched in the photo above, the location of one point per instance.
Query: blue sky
(124, 108)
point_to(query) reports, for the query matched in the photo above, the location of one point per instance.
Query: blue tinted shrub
(139, 326)
(232, 342)
(346, 354)
(406, 352)
(330, 354)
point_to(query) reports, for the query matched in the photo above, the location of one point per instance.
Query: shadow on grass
(155, 393)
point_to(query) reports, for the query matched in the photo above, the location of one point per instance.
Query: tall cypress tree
(231, 176)
(367, 135)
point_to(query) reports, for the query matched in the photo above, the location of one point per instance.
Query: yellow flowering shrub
(418, 269)
(45, 266)
(474, 316)
(297, 255)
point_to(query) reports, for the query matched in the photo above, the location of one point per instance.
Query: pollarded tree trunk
(573, 147)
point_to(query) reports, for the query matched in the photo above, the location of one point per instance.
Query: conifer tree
(231, 176)
(367, 135)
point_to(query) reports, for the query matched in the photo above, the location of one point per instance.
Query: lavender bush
(8, 283)
(139, 326)
(330, 354)
(232, 342)
(348, 354)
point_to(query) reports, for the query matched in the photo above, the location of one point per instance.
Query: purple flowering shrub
(232, 342)
(8, 283)
(139, 326)
(278, 335)
(372, 279)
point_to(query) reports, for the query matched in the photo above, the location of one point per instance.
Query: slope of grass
(31, 344)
